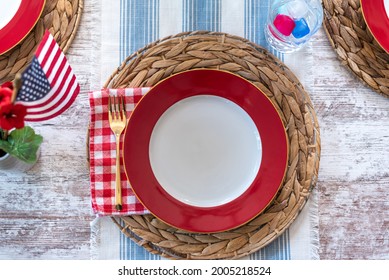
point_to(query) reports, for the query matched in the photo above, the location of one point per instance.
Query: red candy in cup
(284, 24)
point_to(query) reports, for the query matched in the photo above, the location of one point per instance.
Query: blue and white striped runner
(128, 25)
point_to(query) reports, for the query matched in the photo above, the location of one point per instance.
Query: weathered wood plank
(354, 174)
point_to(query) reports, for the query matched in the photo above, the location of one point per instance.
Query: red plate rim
(205, 219)
(21, 24)
(377, 20)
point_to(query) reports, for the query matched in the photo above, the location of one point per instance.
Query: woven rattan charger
(193, 50)
(61, 18)
(355, 45)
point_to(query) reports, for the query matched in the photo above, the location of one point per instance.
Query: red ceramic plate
(17, 18)
(205, 151)
(376, 14)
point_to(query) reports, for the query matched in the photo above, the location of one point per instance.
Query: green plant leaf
(24, 144)
(5, 146)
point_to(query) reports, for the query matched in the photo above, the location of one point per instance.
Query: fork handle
(118, 188)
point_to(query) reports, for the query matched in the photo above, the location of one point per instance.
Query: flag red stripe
(52, 64)
(71, 100)
(43, 42)
(63, 67)
(46, 56)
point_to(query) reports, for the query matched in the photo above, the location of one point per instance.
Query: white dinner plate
(205, 151)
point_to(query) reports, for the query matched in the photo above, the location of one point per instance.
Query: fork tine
(115, 107)
(117, 101)
(123, 108)
(117, 104)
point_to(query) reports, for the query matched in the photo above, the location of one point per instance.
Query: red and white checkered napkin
(103, 155)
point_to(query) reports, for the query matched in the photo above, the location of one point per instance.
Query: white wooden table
(46, 213)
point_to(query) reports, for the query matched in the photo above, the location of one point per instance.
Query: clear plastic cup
(291, 23)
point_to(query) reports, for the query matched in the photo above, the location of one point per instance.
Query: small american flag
(49, 85)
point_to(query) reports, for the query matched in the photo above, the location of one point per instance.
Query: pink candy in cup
(284, 24)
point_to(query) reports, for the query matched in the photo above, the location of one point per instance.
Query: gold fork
(117, 121)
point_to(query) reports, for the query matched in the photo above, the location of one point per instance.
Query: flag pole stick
(17, 83)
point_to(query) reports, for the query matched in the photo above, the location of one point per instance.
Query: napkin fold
(102, 155)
